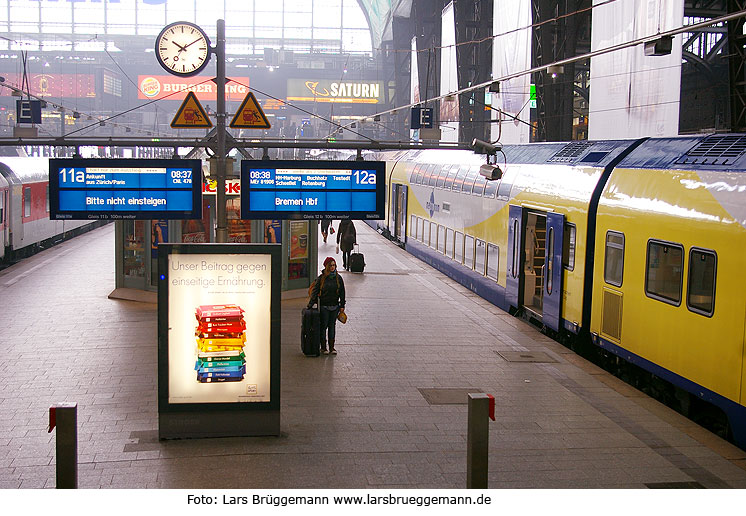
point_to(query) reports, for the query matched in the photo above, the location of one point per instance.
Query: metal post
(67, 445)
(221, 235)
(477, 442)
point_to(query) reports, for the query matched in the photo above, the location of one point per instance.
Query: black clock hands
(192, 43)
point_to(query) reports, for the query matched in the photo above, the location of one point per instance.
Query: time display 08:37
(124, 189)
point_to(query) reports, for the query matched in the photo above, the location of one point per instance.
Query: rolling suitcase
(310, 333)
(357, 260)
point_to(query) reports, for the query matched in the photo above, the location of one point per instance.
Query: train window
(480, 257)
(493, 259)
(418, 174)
(468, 184)
(2, 207)
(413, 226)
(458, 248)
(451, 177)
(479, 183)
(27, 202)
(426, 172)
(425, 232)
(469, 251)
(47, 198)
(433, 235)
(442, 176)
(516, 250)
(458, 182)
(420, 226)
(441, 239)
(491, 189)
(614, 260)
(664, 271)
(503, 191)
(449, 242)
(568, 247)
(701, 283)
(434, 172)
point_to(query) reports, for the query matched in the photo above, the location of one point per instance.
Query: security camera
(482, 147)
(491, 172)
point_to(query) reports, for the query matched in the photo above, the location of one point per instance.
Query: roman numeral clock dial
(183, 49)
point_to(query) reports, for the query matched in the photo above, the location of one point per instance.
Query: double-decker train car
(632, 246)
(24, 208)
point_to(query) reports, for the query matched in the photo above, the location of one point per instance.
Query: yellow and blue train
(635, 246)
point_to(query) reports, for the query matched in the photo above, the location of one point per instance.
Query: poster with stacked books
(221, 338)
(219, 323)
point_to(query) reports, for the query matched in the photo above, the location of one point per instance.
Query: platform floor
(355, 420)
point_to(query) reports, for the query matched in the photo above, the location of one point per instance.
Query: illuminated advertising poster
(298, 240)
(219, 319)
(114, 189)
(283, 189)
(219, 328)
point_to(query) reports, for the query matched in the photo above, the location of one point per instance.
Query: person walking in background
(326, 228)
(329, 292)
(346, 239)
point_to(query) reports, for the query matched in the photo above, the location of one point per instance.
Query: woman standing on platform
(346, 240)
(329, 292)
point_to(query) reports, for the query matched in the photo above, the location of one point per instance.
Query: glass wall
(321, 26)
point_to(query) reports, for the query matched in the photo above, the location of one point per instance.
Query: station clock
(183, 49)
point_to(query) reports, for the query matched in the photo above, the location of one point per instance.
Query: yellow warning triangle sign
(250, 115)
(191, 114)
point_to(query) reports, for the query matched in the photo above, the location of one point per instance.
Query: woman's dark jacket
(331, 293)
(346, 235)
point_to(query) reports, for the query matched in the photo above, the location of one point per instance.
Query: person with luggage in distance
(346, 240)
(329, 292)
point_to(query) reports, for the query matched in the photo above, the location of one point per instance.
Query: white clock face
(182, 49)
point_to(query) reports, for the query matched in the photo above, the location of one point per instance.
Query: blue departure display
(84, 189)
(312, 189)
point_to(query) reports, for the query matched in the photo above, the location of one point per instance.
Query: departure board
(85, 189)
(285, 189)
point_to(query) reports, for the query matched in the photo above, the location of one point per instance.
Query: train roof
(576, 153)
(699, 152)
(19, 170)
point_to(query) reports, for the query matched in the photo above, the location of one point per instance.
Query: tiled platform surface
(356, 420)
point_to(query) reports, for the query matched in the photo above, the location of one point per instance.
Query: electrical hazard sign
(191, 114)
(250, 115)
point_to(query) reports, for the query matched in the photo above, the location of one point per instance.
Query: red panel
(176, 88)
(38, 202)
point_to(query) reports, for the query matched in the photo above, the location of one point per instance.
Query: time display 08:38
(312, 191)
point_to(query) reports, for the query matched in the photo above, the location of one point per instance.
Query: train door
(552, 297)
(534, 264)
(399, 212)
(515, 256)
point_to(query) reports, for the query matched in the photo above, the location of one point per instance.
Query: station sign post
(312, 190)
(219, 329)
(118, 189)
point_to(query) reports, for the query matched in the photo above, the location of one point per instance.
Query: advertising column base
(219, 318)
(189, 425)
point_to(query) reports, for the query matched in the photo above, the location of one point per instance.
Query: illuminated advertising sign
(218, 335)
(63, 85)
(85, 189)
(329, 90)
(169, 87)
(281, 189)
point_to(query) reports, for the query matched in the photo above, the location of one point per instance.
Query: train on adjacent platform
(630, 248)
(25, 226)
